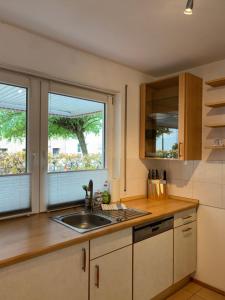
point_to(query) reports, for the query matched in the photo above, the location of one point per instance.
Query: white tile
(136, 187)
(182, 188)
(136, 169)
(157, 164)
(208, 193)
(210, 172)
(180, 170)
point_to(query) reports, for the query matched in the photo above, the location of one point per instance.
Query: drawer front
(185, 217)
(110, 242)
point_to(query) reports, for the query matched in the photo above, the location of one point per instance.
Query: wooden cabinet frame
(189, 112)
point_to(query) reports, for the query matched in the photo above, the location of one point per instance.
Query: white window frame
(79, 92)
(33, 130)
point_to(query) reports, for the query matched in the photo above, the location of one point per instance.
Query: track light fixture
(189, 7)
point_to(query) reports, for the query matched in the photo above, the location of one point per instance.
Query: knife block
(156, 189)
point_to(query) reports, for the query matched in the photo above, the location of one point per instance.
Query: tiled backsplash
(201, 180)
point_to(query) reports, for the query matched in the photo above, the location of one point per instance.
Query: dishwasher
(152, 258)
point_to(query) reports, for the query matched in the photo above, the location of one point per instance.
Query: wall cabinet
(185, 250)
(171, 118)
(153, 266)
(62, 274)
(111, 276)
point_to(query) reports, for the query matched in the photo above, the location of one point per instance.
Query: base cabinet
(185, 250)
(153, 266)
(111, 276)
(62, 274)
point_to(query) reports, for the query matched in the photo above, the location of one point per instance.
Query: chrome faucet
(89, 200)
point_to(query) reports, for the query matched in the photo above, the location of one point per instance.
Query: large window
(54, 138)
(15, 176)
(76, 147)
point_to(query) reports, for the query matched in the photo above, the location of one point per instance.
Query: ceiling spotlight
(189, 7)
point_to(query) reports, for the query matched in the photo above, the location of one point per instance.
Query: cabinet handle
(84, 259)
(186, 230)
(97, 276)
(188, 217)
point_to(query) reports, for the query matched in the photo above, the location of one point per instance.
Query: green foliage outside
(12, 163)
(74, 162)
(13, 128)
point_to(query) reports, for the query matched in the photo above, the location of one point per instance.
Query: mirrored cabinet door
(161, 119)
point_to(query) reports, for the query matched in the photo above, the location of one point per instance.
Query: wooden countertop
(27, 237)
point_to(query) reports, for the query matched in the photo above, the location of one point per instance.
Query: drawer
(110, 242)
(185, 217)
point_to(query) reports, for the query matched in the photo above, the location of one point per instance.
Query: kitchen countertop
(26, 237)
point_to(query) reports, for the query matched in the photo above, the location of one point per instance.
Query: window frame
(37, 125)
(32, 140)
(77, 92)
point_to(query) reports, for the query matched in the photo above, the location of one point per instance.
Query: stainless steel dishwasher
(153, 258)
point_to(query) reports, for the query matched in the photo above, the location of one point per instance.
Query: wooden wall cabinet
(171, 118)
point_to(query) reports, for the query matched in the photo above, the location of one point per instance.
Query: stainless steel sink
(83, 221)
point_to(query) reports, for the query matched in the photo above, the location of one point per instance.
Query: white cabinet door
(153, 266)
(57, 275)
(185, 250)
(111, 276)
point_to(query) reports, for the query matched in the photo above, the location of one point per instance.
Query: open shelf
(216, 82)
(215, 125)
(215, 147)
(216, 104)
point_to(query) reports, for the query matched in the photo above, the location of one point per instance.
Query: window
(78, 124)
(54, 138)
(55, 151)
(16, 153)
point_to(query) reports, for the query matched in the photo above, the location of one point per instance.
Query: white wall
(205, 181)
(25, 50)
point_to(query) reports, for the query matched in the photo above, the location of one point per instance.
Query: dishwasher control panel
(150, 229)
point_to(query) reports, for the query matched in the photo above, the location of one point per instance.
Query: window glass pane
(76, 147)
(13, 123)
(76, 134)
(15, 193)
(67, 186)
(14, 183)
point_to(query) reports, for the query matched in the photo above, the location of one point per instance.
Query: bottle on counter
(106, 197)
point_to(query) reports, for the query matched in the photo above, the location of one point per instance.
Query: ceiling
(153, 36)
